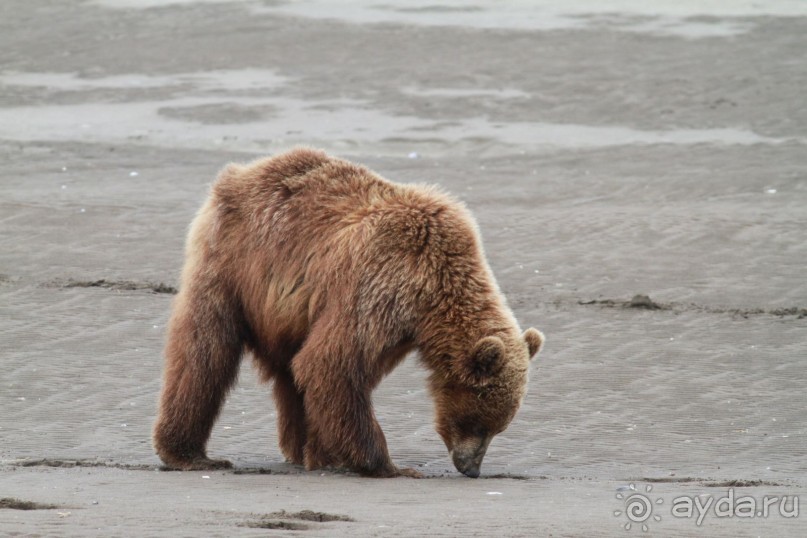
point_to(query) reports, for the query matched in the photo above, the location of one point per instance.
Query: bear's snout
(467, 456)
(472, 472)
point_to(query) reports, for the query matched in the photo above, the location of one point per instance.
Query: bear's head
(482, 394)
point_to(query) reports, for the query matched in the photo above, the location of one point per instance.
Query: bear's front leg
(357, 444)
(291, 424)
(336, 378)
(343, 431)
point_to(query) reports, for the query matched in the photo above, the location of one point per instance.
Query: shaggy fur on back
(329, 275)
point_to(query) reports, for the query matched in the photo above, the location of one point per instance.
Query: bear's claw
(408, 473)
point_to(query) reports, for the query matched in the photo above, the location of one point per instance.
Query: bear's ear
(535, 341)
(484, 362)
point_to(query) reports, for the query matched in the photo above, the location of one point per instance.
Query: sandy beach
(639, 175)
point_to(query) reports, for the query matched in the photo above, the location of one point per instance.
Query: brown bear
(329, 275)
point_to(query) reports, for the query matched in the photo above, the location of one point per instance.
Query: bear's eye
(481, 431)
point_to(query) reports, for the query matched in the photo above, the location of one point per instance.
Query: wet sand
(607, 151)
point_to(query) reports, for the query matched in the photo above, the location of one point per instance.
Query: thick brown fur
(329, 275)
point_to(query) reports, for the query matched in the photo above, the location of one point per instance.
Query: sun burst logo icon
(638, 507)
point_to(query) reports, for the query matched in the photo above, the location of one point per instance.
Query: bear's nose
(468, 456)
(472, 472)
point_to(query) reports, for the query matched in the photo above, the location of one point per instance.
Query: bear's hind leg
(202, 355)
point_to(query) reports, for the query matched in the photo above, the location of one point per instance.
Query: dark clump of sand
(308, 515)
(283, 520)
(276, 525)
(17, 504)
